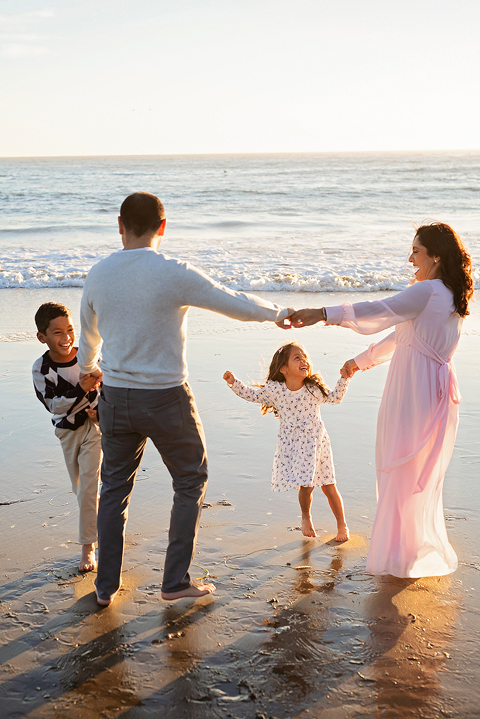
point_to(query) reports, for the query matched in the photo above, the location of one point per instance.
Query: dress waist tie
(448, 392)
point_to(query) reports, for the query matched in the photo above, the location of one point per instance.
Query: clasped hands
(308, 317)
(87, 382)
(302, 318)
(91, 380)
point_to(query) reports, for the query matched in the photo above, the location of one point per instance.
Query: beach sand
(296, 627)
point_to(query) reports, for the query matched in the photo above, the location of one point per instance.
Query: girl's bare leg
(336, 505)
(305, 501)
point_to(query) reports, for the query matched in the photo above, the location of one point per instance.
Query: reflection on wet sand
(295, 630)
(411, 624)
(301, 646)
(97, 664)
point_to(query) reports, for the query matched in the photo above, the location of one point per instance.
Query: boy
(72, 401)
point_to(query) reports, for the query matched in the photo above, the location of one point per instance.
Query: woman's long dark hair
(455, 263)
(279, 360)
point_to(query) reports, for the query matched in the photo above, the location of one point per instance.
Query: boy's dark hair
(142, 212)
(48, 312)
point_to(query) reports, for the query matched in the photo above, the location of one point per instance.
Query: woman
(418, 416)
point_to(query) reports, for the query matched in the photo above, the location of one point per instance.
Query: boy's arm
(335, 396)
(48, 393)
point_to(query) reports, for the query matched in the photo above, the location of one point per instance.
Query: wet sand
(296, 627)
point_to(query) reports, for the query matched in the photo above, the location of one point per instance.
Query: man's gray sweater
(134, 310)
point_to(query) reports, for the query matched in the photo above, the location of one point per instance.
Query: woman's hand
(307, 317)
(229, 378)
(349, 369)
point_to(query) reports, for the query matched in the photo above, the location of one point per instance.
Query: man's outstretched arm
(199, 290)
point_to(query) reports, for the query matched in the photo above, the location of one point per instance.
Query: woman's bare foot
(342, 533)
(308, 530)
(88, 560)
(196, 589)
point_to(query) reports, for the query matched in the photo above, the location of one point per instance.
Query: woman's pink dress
(417, 424)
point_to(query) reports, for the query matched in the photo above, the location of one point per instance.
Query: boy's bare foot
(196, 589)
(342, 534)
(105, 602)
(88, 560)
(308, 530)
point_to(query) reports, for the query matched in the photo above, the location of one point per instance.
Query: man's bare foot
(196, 589)
(308, 530)
(88, 560)
(105, 602)
(342, 534)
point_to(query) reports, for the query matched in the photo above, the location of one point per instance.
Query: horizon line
(239, 154)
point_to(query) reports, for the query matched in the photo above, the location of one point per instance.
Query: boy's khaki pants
(83, 455)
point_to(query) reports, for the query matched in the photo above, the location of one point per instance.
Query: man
(134, 308)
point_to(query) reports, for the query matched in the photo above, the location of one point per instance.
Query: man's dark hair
(48, 312)
(141, 213)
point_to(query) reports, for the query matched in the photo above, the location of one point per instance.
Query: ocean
(296, 222)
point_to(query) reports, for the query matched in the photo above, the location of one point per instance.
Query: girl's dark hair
(455, 263)
(279, 360)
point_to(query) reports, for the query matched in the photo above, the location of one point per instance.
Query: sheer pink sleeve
(367, 318)
(377, 353)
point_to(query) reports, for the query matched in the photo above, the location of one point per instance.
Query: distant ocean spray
(311, 222)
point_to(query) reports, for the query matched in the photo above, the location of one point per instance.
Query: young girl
(303, 456)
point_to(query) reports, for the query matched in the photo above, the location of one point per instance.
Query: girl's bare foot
(196, 589)
(342, 533)
(88, 560)
(308, 530)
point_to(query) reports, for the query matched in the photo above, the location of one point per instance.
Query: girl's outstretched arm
(260, 395)
(335, 396)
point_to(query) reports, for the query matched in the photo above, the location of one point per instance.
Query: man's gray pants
(171, 420)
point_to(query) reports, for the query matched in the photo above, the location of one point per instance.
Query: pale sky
(114, 77)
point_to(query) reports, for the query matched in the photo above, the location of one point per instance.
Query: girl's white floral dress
(303, 455)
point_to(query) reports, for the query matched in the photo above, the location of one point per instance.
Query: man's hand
(229, 378)
(307, 317)
(349, 369)
(285, 324)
